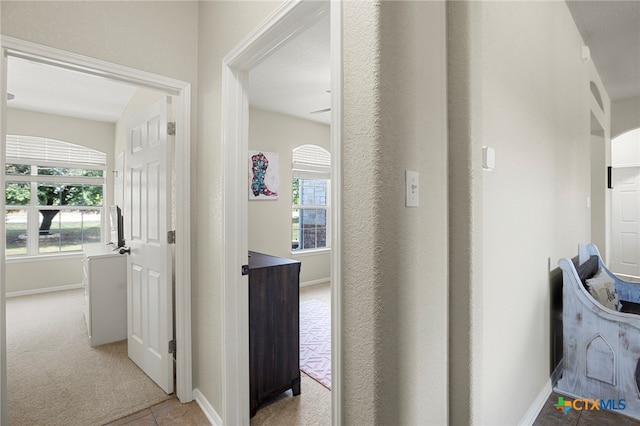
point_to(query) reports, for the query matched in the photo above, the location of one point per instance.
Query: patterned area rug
(315, 341)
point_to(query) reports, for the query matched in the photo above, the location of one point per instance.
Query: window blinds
(31, 150)
(311, 162)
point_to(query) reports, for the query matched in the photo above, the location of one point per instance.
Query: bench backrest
(588, 269)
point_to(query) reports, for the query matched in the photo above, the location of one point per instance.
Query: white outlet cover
(412, 188)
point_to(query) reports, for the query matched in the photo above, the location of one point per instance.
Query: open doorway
(625, 205)
(290, 19)
(140, 85)
(289, 124)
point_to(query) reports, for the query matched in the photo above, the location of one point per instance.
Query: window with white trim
(54, 194)
(310, 224)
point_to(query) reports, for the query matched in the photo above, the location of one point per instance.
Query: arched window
(54, 194)
(310, 224)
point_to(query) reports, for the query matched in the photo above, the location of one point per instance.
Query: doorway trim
(286, 22)
(182, 91)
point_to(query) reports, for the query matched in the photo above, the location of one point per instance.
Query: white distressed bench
(601, 345)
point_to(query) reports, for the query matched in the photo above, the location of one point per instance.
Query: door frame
(182, 91)
(287, 21)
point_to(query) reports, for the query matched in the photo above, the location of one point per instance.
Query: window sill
(310, 252)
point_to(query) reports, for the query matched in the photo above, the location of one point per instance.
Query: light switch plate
(413, 188)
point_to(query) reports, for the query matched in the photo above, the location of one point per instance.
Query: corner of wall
(464, 74)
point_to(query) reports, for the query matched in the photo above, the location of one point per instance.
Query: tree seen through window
(51, 208)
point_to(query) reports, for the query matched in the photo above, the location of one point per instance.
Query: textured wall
(361, 178)
(395, 258)
(221, 26)
(155, 36)
(464, 81)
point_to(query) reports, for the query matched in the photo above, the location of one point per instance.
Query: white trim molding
(182, 90)
(311, 252)
(286, 22)
(315, 282)
(43, 290)
(206, 407)
(537, 405)
(4, 397)
(335, 9)
(45, 258)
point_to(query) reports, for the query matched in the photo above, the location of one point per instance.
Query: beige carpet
(56, 378)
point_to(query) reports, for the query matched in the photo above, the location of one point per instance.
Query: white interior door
(149, 265)
(625, 232)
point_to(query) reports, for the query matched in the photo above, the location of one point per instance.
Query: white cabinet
(105, 291)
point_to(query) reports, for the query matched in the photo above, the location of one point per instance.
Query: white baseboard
(42, 290)
(537, 405)
(207, 408)
(315, 282)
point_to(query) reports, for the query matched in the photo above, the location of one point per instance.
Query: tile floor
(551, 416)
(170, 412)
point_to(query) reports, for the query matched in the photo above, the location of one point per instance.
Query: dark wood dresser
(274, 339)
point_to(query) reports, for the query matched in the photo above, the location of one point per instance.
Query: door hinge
(171, 237)
(171, 128)
(172, 346)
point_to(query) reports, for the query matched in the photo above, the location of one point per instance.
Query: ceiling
(54, 90)
(611, 29)
(295, 79)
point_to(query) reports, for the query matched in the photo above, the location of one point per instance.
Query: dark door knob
(125, 250)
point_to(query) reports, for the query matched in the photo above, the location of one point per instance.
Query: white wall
(536, 116)
(32, 274)
(600, 223)
(270, 220)
(394, 257)
(155, 36)
(221, 26)
(464, 93)
(530, 100)
(625, 115)
(625, 149)
(92, 134)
